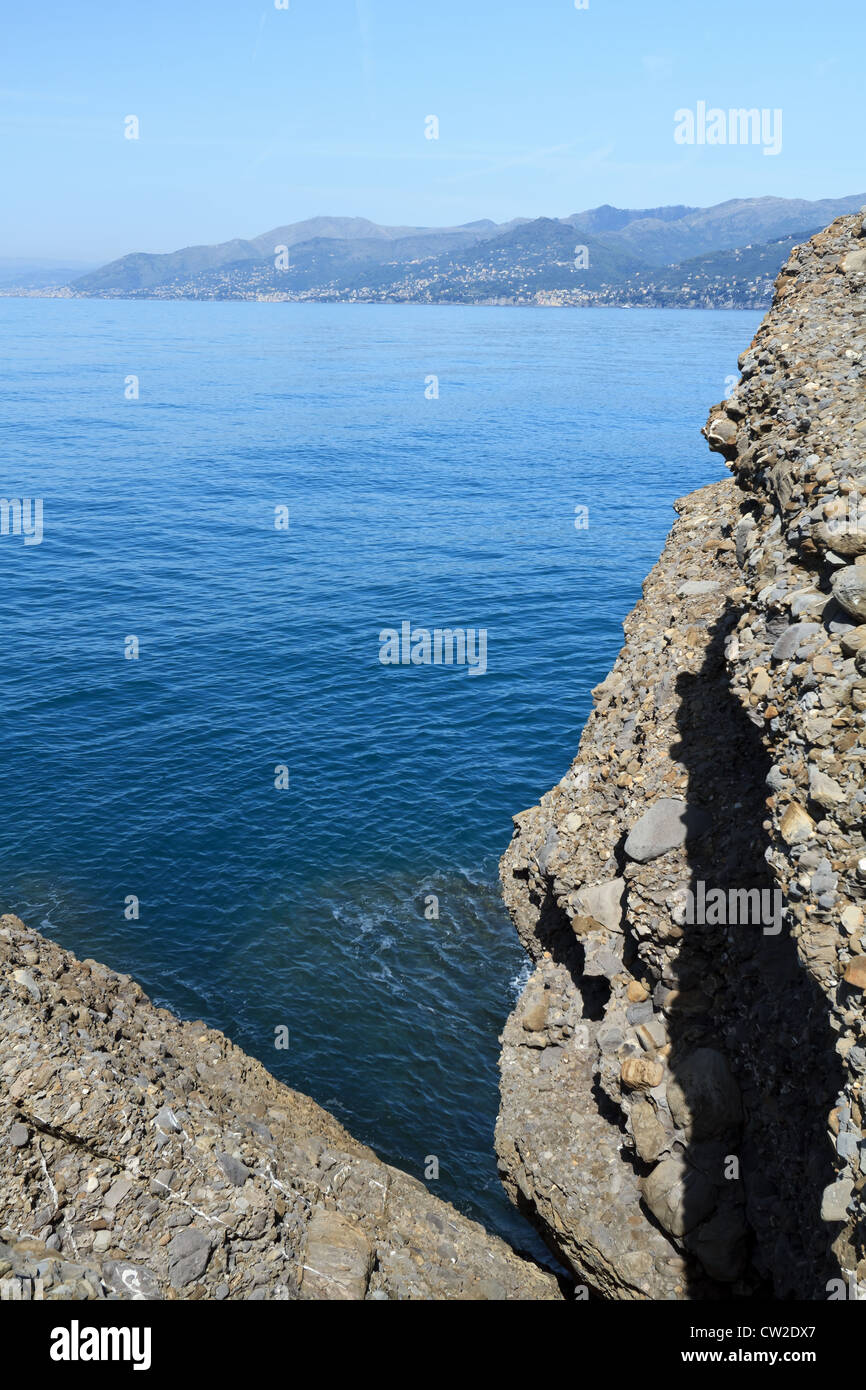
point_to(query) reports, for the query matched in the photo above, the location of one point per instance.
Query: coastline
(745, 307)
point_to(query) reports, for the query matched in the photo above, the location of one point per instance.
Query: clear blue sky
(253, 116)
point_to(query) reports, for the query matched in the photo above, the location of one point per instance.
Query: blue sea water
(310, 907)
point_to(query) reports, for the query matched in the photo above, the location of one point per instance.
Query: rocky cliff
(681, 1108)
(142, 1157)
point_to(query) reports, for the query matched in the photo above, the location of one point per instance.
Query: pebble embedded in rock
(167, 1121)
(678, 1196)
(236, 1172)
(849, 589)
(855, 973)
(796, 824)
(853, 641)
(641, 1073)
(603, 902)
(697, 588)
(534, 1018)
(116, 1193)
(836, 1199)
(792, 639)
(188, 1254)
(665, 826)
(23, 977)
(825, 790)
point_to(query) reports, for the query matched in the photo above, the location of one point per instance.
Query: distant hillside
(663, 241)
(742, 278)
(697, 257)
(597, 221)
(141, 271)
(21, 274)
(536, 256)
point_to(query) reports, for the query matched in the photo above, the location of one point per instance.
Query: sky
(252, 116)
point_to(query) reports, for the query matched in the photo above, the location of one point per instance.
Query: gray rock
(696, 588)
(776, 779)
(849, 590)
(188, 1256)
(823, 879)
(720, 1243)
(808, 601)
(603, 902)
(678, 1196)
(548, 849)
(842, 537)
(639, 1013)
(649, 1133)
(651, 1034)
(792, 639)
(703, 1096)
(835, 1199)
(167, 1121)
(600, 961)
(855, 263)
(236, 1172)
(824, 789)
(721, 435)
(665, 826)
(742, 534)
(23, 977)
(551, 1058)
(610, 1037)
(116, 1193)
(19, 1136)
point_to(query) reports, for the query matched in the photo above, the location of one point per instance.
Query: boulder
(603, 902)
(665, 826)
(678, 1196)
(703, 1096)
(338, 1258)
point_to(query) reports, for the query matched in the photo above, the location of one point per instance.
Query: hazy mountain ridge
(603, 255)
(142, 270)
(20, 272)
(663, 241)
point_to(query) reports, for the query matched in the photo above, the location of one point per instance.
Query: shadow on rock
(752, 1071)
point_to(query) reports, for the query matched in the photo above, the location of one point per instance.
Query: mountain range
(723, 256)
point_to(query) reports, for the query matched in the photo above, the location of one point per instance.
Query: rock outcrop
(142, 1157)
(681, 1078)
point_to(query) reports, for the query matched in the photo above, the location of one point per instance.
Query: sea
(212, 775)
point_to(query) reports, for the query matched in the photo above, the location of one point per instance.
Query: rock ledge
(144, 1158)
